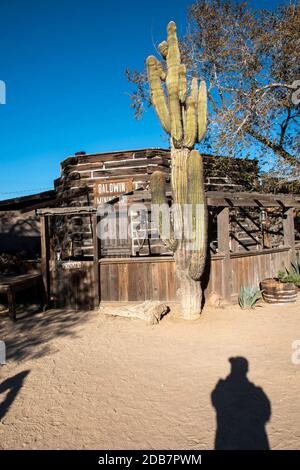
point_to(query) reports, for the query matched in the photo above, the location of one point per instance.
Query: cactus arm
(157, 93)
(161, 72)
(158, 188)
(158, 193)
(172, 83)
(182, 90)
(191, 124)
(175, 115)
(202, 110)
(197, 201)
(163, 49)
(173, 57)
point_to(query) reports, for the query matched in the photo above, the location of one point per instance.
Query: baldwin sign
(106, 190)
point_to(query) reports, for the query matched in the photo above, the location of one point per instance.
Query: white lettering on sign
(107, 190)
(101, 199)
(72, 265)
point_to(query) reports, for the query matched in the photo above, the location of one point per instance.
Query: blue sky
(63, 63)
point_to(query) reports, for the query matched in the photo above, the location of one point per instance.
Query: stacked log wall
(80, 173)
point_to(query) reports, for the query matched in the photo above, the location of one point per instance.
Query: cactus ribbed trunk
(189, 293)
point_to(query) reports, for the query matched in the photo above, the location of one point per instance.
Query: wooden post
(289, 231)
(11, 303)
(223, 228)
(45, 253)
(96, 250)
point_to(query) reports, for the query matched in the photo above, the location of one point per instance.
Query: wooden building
(19, 225)
(251, 235)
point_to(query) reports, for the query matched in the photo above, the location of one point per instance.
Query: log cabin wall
(80, 174)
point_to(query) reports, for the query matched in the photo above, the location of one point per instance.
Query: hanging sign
(108, 189)
(68, 265)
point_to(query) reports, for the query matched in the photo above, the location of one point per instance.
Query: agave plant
(248, 297)
(296, 265)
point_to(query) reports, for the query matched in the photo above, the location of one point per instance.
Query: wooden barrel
(276, 292)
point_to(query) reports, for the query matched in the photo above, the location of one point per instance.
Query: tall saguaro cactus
(182, 111)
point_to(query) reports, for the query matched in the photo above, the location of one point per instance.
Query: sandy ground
(77, 380)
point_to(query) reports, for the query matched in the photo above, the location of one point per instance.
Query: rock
(3, 309)
(150, 311)
(214, 300)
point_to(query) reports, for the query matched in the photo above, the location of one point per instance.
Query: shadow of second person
(242, 410)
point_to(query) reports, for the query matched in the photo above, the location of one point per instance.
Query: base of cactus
(189, 296)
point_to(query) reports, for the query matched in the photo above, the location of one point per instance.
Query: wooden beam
(223, 227)
(289, 231)
(118, 155)
(96, 253)
(266, 251)
(214, 199)
(66, 210)
(45, 255)
(254, 195)
(243, 199)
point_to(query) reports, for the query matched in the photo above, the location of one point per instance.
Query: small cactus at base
(248, 297)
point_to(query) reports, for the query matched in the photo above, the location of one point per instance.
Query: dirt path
(78, 380)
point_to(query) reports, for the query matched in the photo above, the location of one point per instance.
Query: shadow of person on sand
(12, 387)
(242, 409)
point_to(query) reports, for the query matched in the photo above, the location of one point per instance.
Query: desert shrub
(291, 275)
(248, 297)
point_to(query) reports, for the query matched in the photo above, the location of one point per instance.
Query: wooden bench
(10, 285)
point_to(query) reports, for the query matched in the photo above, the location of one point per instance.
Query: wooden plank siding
(72, 288)
(250, 268)
(142, 279)
(137, 279)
